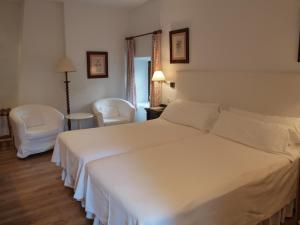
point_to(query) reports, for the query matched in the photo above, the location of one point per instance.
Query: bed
(111, 156)
(151, 187)
(200, 180)
(74, 149)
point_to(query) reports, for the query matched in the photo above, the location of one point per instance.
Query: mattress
(74, 149)
(200, 180)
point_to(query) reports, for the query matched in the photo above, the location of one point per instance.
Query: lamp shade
(158, 76)
(65, 65)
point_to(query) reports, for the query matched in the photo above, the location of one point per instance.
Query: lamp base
(68, 99)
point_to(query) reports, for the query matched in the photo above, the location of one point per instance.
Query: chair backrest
(34, 114)
(109, 105)
(110, 101)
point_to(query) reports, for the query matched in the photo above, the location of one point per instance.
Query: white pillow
(110, 111)
(199, 115)
(258, 134)
(293, 124)
(32, 120)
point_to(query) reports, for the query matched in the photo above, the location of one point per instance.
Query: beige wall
(144, 19)
(50, 29)
(91, 27)
(225, 35)
(10, 25)
(42, 43)
(231, 35)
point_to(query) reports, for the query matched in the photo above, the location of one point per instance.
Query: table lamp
(158, 76)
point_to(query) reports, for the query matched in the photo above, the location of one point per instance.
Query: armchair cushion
(109, 111)
(42, 131)
(115, 121)
(32, 120)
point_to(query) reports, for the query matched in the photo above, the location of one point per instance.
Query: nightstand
(154, 112)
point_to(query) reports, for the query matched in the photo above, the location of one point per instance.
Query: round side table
(79, 117)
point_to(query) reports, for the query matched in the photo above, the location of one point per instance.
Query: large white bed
(200, 180)
(167, 173)
(74, 149)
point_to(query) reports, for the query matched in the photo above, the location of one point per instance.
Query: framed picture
(179, 46)
(97, 64)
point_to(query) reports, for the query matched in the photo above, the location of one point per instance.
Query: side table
(79, 117)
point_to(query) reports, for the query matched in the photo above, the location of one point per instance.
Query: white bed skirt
(67, 179)
(277, 219)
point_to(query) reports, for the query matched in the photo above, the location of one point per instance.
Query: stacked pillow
(268, 133)
(198, 115)
(291, 123)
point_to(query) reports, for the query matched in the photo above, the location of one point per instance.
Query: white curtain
(130, 83)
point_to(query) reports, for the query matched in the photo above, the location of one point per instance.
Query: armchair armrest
(98, 115)
(127, 110)
(55, 118)
(18, 127)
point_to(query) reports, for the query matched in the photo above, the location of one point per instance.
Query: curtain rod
(141, 35)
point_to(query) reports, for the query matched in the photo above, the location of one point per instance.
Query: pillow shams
(292, 124)
(258, 134)
(198, 115)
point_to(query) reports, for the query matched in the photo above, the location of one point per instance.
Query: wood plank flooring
(31, 192)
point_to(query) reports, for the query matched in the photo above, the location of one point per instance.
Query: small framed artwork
(97, 64)
(179, 46)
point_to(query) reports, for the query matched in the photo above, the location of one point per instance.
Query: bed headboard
(276, 93)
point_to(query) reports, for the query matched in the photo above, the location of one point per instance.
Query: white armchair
(113, 111)
(35, 128)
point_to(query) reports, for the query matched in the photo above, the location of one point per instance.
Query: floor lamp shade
(65, 65)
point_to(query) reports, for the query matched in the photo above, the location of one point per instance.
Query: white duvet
(74, 149)
(205, 180)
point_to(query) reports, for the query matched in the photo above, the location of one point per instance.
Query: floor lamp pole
(68, 98)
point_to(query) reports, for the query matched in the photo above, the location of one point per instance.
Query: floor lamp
(65, 66)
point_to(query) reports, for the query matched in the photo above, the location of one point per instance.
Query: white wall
(144, 19)
(42, 43)
(231, 35)
(10, 25)
(225, 35)
(48, 30)
(91, 27)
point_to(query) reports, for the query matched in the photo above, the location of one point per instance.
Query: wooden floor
(31, 192)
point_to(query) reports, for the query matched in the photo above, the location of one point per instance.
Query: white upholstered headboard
(267, 92)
